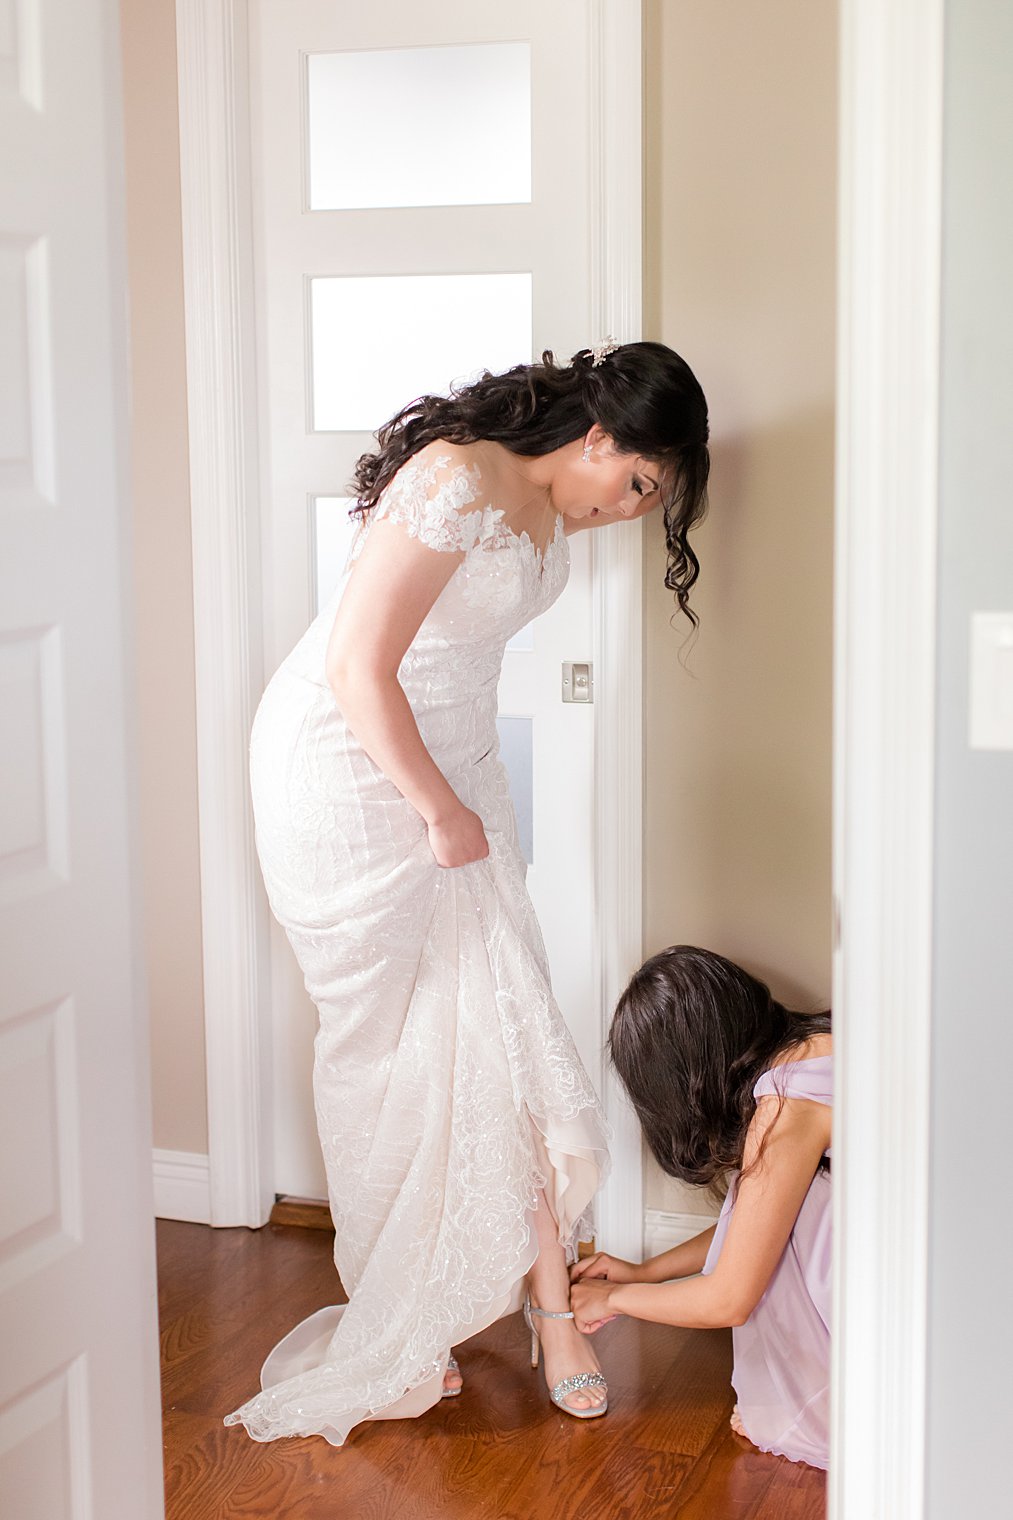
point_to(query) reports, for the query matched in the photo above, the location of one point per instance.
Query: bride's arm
(391, 588)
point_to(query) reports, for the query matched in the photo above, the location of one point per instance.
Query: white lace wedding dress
(446, 1085)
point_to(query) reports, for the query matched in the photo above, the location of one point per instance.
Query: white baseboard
(182, 1186)
(182, 1191)
(663, 1230)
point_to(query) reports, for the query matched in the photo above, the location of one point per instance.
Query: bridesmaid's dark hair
(689, 1037)
(643, 395)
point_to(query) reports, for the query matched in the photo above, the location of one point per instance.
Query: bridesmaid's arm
(681, 1261)
(766, 1207)
(391, 588)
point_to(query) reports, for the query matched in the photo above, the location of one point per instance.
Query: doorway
(863, 34)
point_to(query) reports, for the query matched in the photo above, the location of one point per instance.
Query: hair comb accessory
(599, 350)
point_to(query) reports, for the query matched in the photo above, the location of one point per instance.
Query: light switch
(991, 717)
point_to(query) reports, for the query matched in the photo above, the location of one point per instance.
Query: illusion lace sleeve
(429, 495)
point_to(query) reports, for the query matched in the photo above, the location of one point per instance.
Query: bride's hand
(612, 1268)
(459, 838)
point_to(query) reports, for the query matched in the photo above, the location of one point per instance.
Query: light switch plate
(991, 683)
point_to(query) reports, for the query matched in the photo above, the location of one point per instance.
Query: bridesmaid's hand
(612, 1268)
(590, 1302)
(459, 838)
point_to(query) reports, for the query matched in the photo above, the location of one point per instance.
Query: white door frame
(616, 211)
(211, 37)
(891, 75)
(222, 405)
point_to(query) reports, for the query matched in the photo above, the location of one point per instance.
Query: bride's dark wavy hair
(689, 1037)
(644, 396)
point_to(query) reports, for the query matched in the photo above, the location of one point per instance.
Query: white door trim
(616, 206)
(221, 400)
(884, 699)
(215, 186)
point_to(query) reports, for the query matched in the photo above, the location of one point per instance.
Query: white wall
(970, 1334)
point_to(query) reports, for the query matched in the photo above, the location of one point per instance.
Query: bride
(462, 1139)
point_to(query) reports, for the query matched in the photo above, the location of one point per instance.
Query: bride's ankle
(556, 1302)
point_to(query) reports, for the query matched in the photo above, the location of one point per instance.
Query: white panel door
(80, 1432)
(421, 212)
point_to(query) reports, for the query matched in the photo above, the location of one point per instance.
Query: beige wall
(739, 267)
(166, 716)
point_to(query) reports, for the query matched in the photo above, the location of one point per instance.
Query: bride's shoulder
(440, 467)
(443, 454)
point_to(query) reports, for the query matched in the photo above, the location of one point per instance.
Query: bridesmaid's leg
(565, 1350)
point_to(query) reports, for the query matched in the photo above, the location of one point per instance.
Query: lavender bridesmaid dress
(782, 1353)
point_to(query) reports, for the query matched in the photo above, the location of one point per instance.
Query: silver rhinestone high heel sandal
(452, 1393)
(570, 1384)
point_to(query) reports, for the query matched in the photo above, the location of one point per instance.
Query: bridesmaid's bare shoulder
(807, 1050)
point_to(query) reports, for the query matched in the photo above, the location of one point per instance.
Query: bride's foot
(452, 1380)
(736, 1423)
(567, 1354)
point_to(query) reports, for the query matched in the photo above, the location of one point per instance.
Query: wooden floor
(499, 1452)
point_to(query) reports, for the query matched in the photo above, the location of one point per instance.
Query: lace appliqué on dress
(430, 507)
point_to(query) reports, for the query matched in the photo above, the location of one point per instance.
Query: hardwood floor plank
(311, 1213)
(798, 1494)
(694, 1398)
(501, 1451)
(734, 1481)
(594, 1474)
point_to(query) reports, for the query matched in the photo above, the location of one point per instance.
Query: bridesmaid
(726, 1079)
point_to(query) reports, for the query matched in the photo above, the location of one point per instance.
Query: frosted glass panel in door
(331, 534)
(380, 340)
(420, 126)
(516, 753)
(523, 642)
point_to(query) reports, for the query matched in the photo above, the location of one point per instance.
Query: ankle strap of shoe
(551, 1313)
